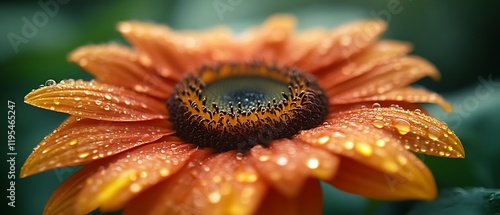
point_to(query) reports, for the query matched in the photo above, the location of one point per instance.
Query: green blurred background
(459, 37)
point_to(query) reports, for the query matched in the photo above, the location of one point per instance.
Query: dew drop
(106, 107)
(107, 96)
(264, 158)
(402, 125)
(282, 161)
(364, 149)
(313, 163)
(376, 105)
(50, 82)
(214, 197)
(77, 98)
(83, 155)
(323, 140)
(164, 172)
(348, 145)
(239, 156)
(433, 133)
(98, 102)
(73, 142)
(378, 123)
(380, 143)
(135, 187)
(57, 102)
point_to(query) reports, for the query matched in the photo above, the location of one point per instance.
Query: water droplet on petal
(282, 161)
(313, 163)
(402, 125)
(376, 105)
(378, 123)
(98, 102)
(323, 140)
(214, 197)
(433, 133)
(364, 149)
(50, 82)
(83, 155)
(239, 156)
(73, 142)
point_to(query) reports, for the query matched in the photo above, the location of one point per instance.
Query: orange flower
(258, 121)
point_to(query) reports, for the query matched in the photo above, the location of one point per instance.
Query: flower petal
(267, 41)
(407, 94)
(340, 44)
(117, 65)
(130, 173)
(381, 79)
(224, 183)
(416, 131)
(308, 201)
(79, 141)
(286, 164)
(97, 101)
(355, 177)
(174, 53)
(63, 200)
(381, 53)
(377, 150)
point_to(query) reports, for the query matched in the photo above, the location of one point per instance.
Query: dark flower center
(237, 106)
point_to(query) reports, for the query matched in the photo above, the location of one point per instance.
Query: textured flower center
(237, 106)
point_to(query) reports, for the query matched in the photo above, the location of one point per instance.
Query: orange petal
(407, 94)
(63, 200)
(416, 131)
(224, 183)
(267, 41)
(79, 141)
(286, 164)
(373, 147)
(174, 53)
(381, 79)
(308, 201)
(340, 44)
(130, 173)
(381, 53)
(117, 65)
(97, 101)
(355, 177)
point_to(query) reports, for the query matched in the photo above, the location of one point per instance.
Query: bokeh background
(460, 37)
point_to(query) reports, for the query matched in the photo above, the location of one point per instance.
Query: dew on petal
(433, 133)
(323, 140)
(402, 125)
(313, 163)
(264, 158)
(348, 145)
(164, 172)
(380, 143)
(83, 155)
(376, 105)
(214, 197)
(98, 102)
(378, 123)
(73, 142)
(135, 187)
(282, 161)
(364, 149)
(50, 82)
